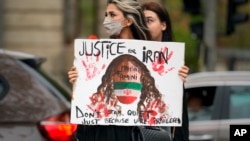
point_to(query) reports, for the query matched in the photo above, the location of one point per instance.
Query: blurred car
(217, 100)
(33, 106)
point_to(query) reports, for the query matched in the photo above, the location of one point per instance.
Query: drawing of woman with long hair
(125, 80)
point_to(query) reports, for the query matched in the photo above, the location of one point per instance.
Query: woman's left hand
(183, 73)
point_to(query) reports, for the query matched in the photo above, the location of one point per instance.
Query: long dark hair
(149, 90)
(163, 15)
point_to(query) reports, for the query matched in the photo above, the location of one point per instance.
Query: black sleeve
(182, 133)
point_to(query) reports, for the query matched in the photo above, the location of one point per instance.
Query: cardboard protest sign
(127, 82)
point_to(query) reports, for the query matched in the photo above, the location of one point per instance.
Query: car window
(239, 102)
(4, 87)
(200, 103)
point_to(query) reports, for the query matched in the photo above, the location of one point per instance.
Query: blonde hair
(132, 10)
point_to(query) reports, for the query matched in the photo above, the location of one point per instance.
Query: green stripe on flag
(128, 85)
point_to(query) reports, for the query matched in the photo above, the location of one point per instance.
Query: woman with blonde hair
(123, 20)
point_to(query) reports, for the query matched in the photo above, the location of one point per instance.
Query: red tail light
(92, 36)
(58, 128)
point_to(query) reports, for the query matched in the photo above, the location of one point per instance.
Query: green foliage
(191, 49)
(87, 17)
(181, 30)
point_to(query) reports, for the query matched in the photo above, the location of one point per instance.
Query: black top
(104, 133)
(182, 133)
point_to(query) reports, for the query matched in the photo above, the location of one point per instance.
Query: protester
(159, 23)
(124, 19)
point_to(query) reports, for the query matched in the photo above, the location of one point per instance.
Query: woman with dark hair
(159, 24)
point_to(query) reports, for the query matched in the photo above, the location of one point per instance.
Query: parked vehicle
(217, 100)
(33, 107)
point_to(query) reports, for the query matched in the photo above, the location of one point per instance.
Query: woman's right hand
(72, 74)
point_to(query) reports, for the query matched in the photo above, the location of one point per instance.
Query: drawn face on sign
(126, 81)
